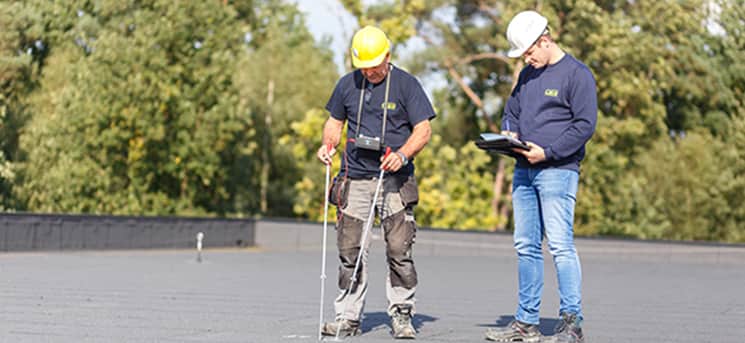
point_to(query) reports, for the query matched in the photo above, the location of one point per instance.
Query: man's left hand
(534, 155)
(391, 163)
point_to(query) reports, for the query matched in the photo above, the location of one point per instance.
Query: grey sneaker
(568, 330)
(401, 323)
(345, 327)
(517, 331)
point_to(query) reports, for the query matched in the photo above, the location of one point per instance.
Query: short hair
(546, 32)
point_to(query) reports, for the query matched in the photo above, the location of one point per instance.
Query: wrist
(548, 154)
(404, 159)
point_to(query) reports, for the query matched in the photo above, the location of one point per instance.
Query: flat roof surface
(632, 292)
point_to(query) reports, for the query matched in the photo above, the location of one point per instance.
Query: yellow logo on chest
(390, 105)
(551, 92)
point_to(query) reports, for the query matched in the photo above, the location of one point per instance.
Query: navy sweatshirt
(556, 108)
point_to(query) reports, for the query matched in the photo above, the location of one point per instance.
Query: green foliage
(284, 76)
(159, 108)
(683, 191)
(17, 76)
(455, 187)
(668, 84)
(153, 128)
(304, 141)
(661, 72)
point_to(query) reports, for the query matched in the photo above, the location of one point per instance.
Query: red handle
(387, 152)
(328, 147)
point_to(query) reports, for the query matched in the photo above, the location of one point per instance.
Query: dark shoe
(401, 323)
(568, 330)
(515, 332)
(345, 327)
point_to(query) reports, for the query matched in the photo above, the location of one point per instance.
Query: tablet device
(499, 143)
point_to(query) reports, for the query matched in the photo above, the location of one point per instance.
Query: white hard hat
(523, 30)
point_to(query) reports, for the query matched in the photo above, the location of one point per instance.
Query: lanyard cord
(385, 104)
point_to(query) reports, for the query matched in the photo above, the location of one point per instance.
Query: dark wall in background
(24, 232)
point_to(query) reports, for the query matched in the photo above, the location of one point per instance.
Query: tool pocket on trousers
(409, 192)
(339, 192)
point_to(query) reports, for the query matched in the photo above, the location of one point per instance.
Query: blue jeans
(543, 202)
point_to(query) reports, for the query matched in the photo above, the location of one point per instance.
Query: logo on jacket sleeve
(551, 92)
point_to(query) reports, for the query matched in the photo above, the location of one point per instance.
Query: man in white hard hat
(553, 108)
(385, 108)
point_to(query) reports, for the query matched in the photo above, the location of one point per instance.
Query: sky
(329, 18)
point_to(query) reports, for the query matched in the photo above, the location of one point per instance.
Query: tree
(455, 187)
(682, 191)
(303, 141)
(21, 53)
(155, 128)
(175, 122)
(661, 72)
(285, 74)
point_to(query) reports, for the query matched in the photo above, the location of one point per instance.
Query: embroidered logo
(551, 92)
(390, 105)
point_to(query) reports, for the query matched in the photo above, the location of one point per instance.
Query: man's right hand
(324, 153)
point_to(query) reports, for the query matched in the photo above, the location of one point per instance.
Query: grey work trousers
(399, 230)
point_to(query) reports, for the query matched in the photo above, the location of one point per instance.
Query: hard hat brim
(358, 63)
(515, 53)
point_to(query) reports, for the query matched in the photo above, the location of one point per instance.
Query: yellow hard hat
(369, 47)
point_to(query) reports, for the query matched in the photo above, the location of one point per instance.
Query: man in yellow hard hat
(385, 108)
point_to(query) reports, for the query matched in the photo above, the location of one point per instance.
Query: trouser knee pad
(400, 232)
(348, 236)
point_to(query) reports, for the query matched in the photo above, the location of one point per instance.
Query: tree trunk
(265, 153)
(505, 210)
(498, 185)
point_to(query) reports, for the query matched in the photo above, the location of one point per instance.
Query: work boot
(568, 330)
(517, 331)
(345, 327)
(401, 322)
